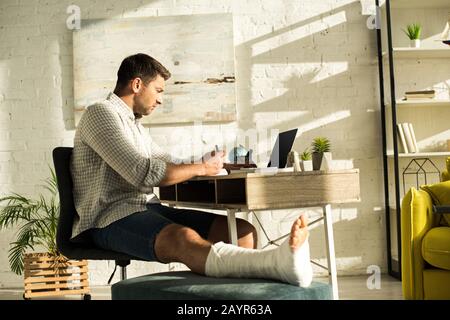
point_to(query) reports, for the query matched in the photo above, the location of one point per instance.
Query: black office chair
(85, 249)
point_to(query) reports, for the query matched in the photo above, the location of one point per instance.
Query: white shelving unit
(420, 53)
(425, 103)
(412, 69)
(390, 154)
(416, 4)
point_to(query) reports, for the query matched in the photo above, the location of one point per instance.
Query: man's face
(148, 96)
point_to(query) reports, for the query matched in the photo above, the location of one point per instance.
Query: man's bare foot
(293, 255)
(299, 232)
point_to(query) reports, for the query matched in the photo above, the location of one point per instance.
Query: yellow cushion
(435, 284)
(436, 247)
(440, 193)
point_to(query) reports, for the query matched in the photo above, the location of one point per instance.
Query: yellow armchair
(426, 242)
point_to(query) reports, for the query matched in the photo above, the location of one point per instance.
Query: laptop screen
(281, 149)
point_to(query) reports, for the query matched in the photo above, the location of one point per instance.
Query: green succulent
(413, 31)
(306, 155)
(37, 220)
(321, 145)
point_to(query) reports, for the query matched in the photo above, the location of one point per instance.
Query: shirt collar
(121, 106)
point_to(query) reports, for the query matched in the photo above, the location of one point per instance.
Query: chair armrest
(441, 209)
(416, 220)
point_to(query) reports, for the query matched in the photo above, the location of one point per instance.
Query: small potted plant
(413, 32)
(45, 273)
(306, 163)
(320, 145)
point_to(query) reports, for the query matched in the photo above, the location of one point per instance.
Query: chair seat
(436, 247)
(186, 285)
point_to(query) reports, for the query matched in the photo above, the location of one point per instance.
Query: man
(115, 166)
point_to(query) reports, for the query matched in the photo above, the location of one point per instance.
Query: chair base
(186, 285)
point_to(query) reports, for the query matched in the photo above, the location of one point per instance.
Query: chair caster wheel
(87, 297)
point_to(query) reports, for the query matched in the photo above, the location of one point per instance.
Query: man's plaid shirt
(114, 166)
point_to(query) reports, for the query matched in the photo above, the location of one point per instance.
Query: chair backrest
(74, 250)
(61, 160)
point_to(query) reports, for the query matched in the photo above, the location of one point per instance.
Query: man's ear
(136, 85)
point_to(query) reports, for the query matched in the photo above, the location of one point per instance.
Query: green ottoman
(186, 285)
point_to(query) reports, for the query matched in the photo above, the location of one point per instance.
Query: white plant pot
(415, 43)
(327, 161)
(307, 165)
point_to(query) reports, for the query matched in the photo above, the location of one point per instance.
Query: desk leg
(331, 257)
(232, 228)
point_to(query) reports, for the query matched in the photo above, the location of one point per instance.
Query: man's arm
(176, 173)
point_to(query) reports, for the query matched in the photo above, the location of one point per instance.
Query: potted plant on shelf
(320, 145)
(46, 273)
(413, 32)
(306, 163)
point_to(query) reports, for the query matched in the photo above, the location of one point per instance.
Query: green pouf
(185, 285)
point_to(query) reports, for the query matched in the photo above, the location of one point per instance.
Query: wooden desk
(253, 191)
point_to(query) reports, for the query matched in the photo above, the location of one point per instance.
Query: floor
(350, 288)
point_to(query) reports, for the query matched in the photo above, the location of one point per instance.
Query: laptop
(281, 149)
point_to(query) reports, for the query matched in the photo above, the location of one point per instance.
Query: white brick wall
(299, 64)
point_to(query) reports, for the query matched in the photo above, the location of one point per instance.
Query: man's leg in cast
(288, 263)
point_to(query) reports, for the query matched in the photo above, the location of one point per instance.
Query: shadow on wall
(322, 73)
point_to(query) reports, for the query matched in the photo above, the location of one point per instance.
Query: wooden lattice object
(49, 275)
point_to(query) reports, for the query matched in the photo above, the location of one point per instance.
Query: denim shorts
(135, 234)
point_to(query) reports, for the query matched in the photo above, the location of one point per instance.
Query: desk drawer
(196, 191)
(168, 193)
(231, 191)
(290, 191)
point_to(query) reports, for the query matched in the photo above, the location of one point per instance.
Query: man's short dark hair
(141, 66)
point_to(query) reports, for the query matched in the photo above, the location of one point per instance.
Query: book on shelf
(402, 138)
(413, 136)
(407, 137)
(421, 94)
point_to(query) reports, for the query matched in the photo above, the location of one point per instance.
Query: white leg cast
(331, 257)
(281, 263)
(232, 228)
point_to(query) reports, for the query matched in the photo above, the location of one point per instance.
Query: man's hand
(213, 153)
(210, 166)
(214, 164)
